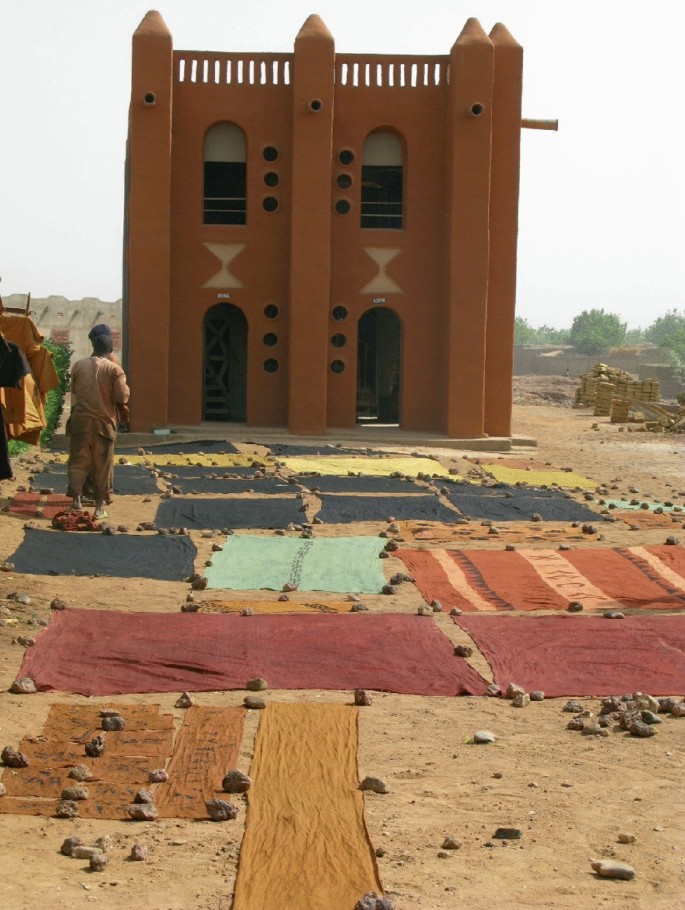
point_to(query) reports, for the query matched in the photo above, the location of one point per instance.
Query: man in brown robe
(98, 385)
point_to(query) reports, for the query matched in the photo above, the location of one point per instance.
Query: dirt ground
(571, 796)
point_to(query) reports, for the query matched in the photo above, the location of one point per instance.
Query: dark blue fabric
(344, 509)
(165, 558)
(215, 514)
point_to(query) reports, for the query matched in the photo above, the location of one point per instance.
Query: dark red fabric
(583, 655)
(74, 521)
(99, 652)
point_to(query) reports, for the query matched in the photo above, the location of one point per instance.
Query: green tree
(594, 332)
(524, 333)
(671, 323)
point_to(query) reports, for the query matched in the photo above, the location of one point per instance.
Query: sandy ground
(571, 796)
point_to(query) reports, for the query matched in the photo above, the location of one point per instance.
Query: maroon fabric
(99, 652)
(583, 655)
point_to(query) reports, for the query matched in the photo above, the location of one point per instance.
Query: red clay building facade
(315, 239)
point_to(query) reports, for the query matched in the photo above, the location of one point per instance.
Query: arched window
(225, 175)
(382, 178)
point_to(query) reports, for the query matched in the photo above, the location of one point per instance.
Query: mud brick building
(316, 239)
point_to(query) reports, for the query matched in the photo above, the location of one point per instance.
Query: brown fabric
(273, 606)
(206, 747)
(509, 532)
(306, 844)
(97, 386)
(645, 520)
(91, 458)
(130, 754)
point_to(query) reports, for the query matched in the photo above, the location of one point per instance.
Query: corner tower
(310, 227)
(147, 228)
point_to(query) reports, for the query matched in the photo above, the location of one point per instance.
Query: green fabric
(626, 505)
(250, 563)
(539, 478)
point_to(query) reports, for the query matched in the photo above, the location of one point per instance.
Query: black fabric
(129, 480)
(365, 484)
(287, 449)
(220, 485)
(229, 513)
(161, 557)
(514, 504)
(344, 509)
(193, 447)
(185, 471)
(13, 365)
(5, 464)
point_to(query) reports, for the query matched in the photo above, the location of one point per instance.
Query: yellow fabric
(28, 426)
(537, 478)
(25, 408)
(305, 846)
(376, 467)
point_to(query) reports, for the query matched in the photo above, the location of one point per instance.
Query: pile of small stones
(373, 901)
(637, 714)
(518, 695)
(96, 854)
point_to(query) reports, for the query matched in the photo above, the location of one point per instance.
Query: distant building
(69, 321)
(315, 239)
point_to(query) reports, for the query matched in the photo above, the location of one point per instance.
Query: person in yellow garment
(98, 386)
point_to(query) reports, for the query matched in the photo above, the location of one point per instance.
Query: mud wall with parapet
(547, 360)
(69, 321)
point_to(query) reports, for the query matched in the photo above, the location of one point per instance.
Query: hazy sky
(602, 205)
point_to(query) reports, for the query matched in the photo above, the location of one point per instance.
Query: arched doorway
(379, 346)
(224, 390)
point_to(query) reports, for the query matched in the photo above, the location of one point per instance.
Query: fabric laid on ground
(376, 467)
(516, 504)
(601, 579)
(343, 565)
(185, 471)
(143, 745)
(346, 484)
(583, 655)
(212, 460)
(221, 485)
(129, 480)
(645, 520)
(101, 652)
(341, 509)
(306, 844)
(514, 532)
(120, 555)
(228, 513)
(627, 505)
(42, 506)
(206, 747)
(290, 450)
(274, 606)
(193, 447)
(539, 478)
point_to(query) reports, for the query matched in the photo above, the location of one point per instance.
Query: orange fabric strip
(306, 843)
